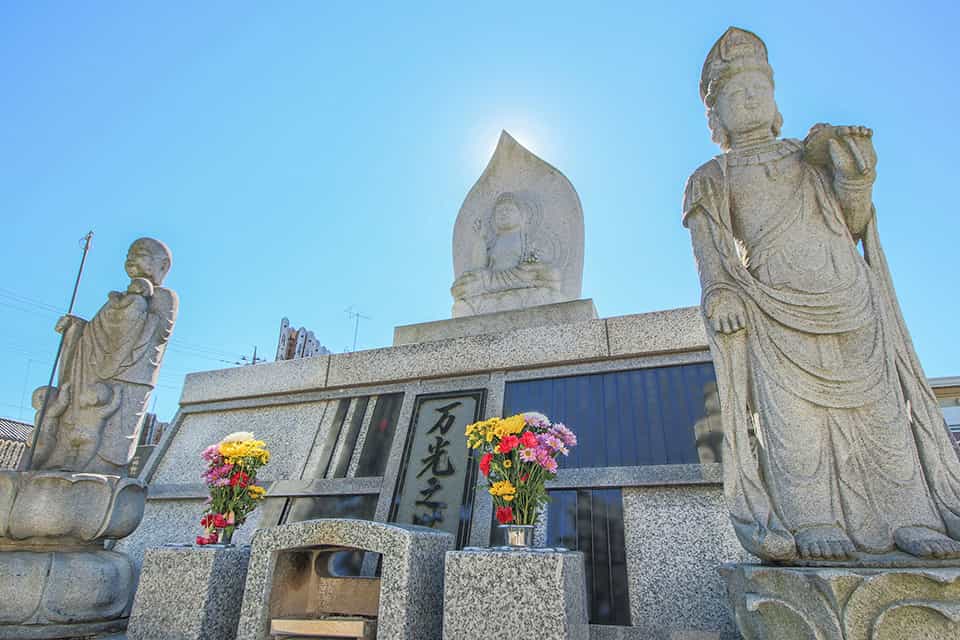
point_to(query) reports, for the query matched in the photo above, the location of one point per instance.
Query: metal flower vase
(518, 536)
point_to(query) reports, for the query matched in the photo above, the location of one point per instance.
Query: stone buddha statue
(852, 457)
(509, 271)
(108, 368)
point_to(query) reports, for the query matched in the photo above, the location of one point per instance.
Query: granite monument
(518, 239)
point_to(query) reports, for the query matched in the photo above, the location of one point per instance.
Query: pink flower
(537, 420)
(549, 465)
(211, 453)
(552, 442)
(528, 455)
(561, 431)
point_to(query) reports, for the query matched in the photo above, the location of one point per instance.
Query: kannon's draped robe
(825, 371)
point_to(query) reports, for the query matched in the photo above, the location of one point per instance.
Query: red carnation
(529, 440)
(485, 464)
(508, 444)
(201, 540)
(524, 477)
(504, 515)
(239, 479)
(206, 521)
(219, 521)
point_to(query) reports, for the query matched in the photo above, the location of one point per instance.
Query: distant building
(948, 393)
(150, 435)
(13, 440)
(298, 343)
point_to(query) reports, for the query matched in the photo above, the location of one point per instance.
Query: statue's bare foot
(926, 543)
(824, 543)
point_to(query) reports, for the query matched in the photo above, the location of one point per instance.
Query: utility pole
(27, 459)
(355, 316)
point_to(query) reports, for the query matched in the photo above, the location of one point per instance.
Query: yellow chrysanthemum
(256, 491)
(236, 451)
(503, 489)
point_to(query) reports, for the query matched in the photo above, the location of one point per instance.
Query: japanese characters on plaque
(438, 472)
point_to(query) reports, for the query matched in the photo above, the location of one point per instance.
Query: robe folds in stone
(849, 433)
(117, 355)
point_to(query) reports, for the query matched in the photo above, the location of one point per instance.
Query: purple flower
(549, 465)
(551, 442)
(537, 420)
(561, 431)
(543, 454)
(211, 453)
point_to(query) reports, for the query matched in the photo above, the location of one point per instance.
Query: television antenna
(356, 316)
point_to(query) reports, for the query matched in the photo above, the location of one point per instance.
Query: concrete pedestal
(189, 593)
(844, 603)
(515, 594)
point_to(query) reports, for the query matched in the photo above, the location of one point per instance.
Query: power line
(49, 309)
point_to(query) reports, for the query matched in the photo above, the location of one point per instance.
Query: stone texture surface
(43, 591)
(48, 508)
(176, 521)
(657, 331)
(109, 365)
(411, 591)
(475, 325)
(457, 356)
(845, 603)
(810, 348)
(515, 594)
(287, 376)
(646, 476)
(518, 239)
(287, 430)
(676, 538)
(676, 331)
(189, 594)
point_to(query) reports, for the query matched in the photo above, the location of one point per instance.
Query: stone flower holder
(53, 526)
(490, 593)
(189, 593)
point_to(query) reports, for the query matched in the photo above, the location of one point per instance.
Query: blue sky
(300, 158)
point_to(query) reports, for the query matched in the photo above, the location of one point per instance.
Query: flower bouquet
(231, 477)
(519, 455)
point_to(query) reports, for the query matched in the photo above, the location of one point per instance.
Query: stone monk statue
(108, 368)
(852, 456)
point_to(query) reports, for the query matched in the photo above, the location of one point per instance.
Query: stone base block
(515, 594)
(498, 322)
(60, 594)
(189, 593)
(838, 603)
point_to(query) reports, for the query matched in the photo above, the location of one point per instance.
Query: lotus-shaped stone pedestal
(58, 579)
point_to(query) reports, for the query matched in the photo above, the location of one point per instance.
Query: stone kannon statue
(852, 456)
(518, 239)
(57, 516)
(108, 368)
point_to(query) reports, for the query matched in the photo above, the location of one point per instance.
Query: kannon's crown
(737, 50)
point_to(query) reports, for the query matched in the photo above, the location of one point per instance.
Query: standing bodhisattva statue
(851, 455)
